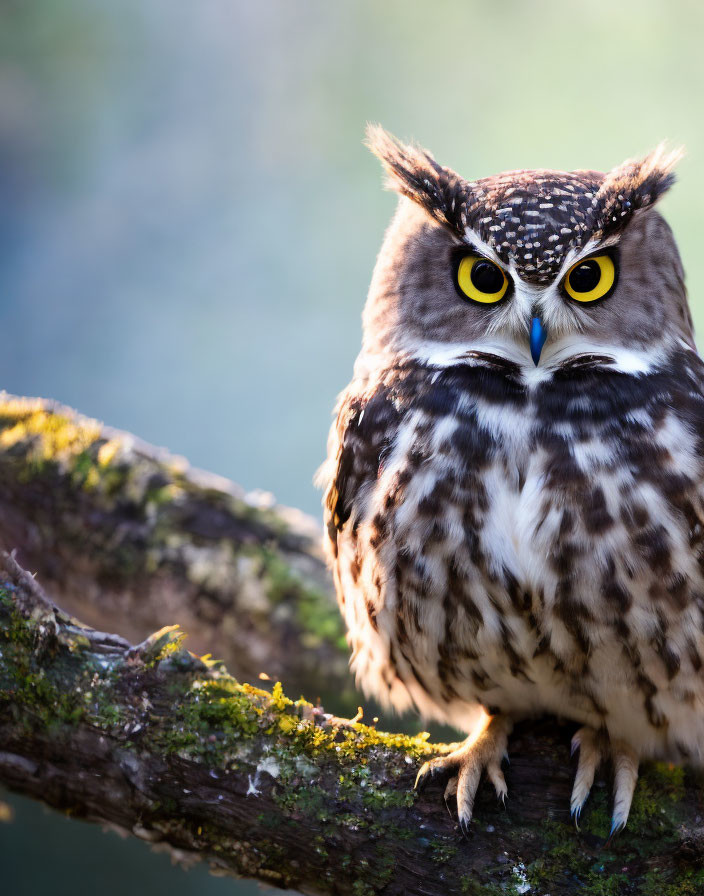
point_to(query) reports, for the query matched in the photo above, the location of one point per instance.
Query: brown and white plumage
(511, 537)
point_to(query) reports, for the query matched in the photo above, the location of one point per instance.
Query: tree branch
(157, 742)
(126, 535)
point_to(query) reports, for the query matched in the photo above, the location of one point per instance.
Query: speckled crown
(531, 219)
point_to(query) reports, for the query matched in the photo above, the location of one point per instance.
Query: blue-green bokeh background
(188, 222)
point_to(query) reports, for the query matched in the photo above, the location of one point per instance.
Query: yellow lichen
(53, 436)
(108, 451)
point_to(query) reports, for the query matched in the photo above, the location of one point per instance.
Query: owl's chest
(521, 533)
(474, 490)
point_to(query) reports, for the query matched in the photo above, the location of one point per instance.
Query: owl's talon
(432, 770)
(424, 775)
(625, 760)
(586, 740)
(450, 791)
(464, 828)
(592, 749)
(496, 776)
(464, 767)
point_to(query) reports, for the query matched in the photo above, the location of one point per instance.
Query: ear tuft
(635, 184)
(404, 163)
(413, 172)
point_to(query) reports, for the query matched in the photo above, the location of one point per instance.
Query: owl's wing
(364, 428)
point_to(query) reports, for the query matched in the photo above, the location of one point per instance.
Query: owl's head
(537, 264)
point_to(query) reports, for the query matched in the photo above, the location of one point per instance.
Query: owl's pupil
(586, 276)
(486, 277)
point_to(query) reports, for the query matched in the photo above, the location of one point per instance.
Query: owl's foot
(594, 746)
(482, 751)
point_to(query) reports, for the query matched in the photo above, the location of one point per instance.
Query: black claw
(616, 829)
(464, 827)
(440, 772)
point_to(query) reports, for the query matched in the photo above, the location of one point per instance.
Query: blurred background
(189, 221)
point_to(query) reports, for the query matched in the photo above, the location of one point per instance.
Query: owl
(514, 488)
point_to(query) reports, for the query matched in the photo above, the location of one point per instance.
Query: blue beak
(538, 335)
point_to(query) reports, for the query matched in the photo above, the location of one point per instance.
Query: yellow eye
(590, 279)
(481, 280)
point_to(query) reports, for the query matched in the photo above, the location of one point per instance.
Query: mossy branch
(126, 535)
(169, 747)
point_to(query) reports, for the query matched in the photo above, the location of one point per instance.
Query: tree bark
(125, 535)
(169, 747)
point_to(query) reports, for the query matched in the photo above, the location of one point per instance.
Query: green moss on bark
(140, 522)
